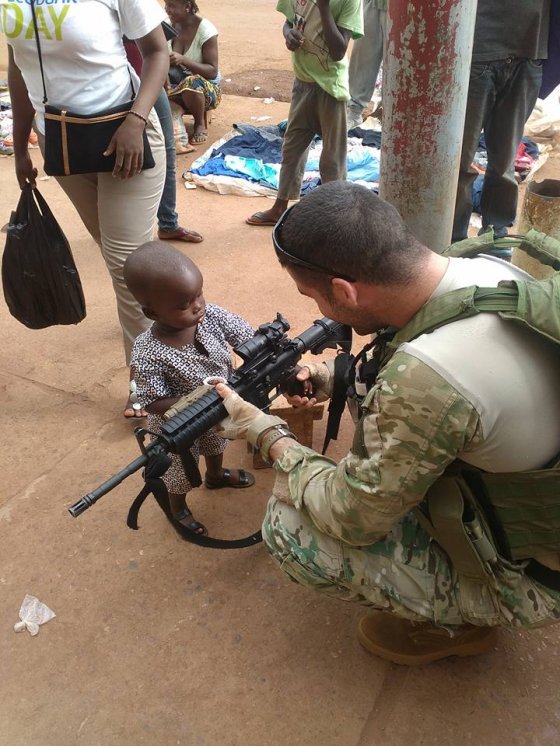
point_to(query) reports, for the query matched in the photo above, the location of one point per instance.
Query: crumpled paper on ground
(32, 614)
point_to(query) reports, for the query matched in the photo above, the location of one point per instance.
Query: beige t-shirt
(509, 374)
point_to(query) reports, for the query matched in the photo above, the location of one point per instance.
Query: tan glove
(245, 420)
(186, 400)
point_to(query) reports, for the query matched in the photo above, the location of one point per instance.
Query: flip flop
(246, 479)
(181, 234)
(198, 138)
(257, 219)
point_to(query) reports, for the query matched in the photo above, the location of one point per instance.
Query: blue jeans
(167, 215)
(501, 97)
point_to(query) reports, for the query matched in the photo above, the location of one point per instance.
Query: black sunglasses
(295, 260)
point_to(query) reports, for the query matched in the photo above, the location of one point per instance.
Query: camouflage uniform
(346, 529)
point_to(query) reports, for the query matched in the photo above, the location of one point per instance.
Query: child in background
(317, 33)
(187, 342)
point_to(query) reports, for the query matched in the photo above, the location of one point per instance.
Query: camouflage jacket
(414, 425)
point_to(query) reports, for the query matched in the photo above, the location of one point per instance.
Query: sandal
(261, 218)
(246, 479)
(195, 527)
(180, 234)
(133, 409)
(198, 138)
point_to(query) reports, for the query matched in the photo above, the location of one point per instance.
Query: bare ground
(159, 642)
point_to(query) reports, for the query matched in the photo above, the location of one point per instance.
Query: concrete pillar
(425, 85)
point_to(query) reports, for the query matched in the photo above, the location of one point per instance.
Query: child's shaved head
(154, 264)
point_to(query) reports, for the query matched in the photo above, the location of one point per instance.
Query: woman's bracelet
(140, 116)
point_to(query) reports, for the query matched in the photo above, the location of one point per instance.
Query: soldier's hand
(244, 420)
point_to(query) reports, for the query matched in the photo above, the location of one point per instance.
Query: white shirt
(510, 375)
(84, 61)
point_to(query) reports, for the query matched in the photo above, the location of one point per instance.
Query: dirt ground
(159, 642)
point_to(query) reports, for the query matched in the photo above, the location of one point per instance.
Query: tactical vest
(475, 516)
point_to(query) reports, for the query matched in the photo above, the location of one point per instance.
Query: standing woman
(194, 61)
(86, 70)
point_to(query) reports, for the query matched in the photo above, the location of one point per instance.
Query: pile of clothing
(247, 162)
(6, 123)
(527, 155)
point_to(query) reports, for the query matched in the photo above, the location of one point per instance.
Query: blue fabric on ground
(255, 155)
(254, 142)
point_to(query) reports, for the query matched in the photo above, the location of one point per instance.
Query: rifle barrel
(88, 500)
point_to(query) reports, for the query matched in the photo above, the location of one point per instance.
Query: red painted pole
(425, 85)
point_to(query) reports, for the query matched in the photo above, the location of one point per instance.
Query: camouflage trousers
(405, 573)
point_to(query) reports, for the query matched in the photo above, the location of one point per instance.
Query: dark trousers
(501, 97)
(167, 214)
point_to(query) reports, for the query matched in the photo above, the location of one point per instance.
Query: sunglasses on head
(295, 260)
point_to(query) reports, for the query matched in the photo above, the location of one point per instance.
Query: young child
(317, 33)
(187, 342)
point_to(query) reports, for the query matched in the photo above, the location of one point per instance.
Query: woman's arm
(22, 113)
(127, 142)
(208, 68)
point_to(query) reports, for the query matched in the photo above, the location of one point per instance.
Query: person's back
(508, 373)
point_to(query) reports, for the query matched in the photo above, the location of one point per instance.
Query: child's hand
(294, 39)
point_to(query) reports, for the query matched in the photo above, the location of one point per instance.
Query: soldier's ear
(344, 292)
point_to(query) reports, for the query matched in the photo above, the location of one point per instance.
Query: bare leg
(194, 103)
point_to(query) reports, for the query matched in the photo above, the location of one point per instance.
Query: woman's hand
(176, 59)
(128, 145)
(25, 171)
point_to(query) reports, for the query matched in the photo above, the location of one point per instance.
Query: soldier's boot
(415, 644)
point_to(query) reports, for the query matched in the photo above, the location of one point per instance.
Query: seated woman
(194, 78)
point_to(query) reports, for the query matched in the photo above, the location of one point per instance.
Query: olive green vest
(476, 516)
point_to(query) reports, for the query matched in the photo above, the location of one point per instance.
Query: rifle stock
(269, 359)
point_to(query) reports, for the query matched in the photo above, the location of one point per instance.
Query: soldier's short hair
(349, 230)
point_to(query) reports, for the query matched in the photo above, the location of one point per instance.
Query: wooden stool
(300, 422)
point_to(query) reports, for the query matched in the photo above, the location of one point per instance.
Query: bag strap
(36, 28)
(45, 99)
(537, 245)
(455, 305)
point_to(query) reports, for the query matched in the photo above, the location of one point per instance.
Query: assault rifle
(268, 368)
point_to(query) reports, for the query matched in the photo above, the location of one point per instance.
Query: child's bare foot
(235, 478)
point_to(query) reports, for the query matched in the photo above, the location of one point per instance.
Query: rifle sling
(338, 398)
(156, 487)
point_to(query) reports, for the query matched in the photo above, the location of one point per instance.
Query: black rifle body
(269, 360)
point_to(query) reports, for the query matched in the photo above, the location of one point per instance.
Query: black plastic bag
(40, 280)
